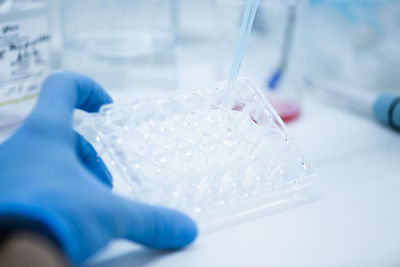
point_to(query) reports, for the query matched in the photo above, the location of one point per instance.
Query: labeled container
(24, 57)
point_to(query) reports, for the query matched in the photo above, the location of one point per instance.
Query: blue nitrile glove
(52, 180)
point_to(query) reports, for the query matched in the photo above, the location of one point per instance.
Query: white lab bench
(353, 221)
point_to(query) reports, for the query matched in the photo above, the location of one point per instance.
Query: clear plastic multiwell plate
(189, 152)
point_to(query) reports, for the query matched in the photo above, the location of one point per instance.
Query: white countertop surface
(354, 219)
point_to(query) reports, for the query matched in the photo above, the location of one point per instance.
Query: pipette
(245, 29)
(384, 107)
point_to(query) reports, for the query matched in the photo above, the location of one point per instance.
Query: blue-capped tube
(383, 107)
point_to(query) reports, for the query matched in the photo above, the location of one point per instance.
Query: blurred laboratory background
(145, 47)
(330, 68)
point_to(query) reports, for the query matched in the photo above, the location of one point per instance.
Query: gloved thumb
(62, 92)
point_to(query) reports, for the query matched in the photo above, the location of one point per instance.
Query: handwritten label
(24, 57)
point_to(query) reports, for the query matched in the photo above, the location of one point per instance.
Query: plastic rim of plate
(186, 151)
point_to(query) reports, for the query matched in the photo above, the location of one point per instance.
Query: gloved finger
(89, 157)
(63, 91)
(154, 226)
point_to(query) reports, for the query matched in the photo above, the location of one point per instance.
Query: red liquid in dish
(288, 109)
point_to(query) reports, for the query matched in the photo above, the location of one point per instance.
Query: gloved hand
(52, 180)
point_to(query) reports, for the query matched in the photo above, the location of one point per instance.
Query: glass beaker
(123, 44)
